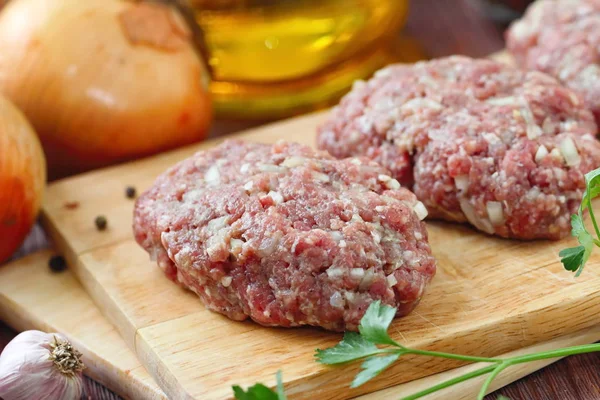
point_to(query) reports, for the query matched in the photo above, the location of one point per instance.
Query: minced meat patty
(481, 141)
(561, 38)
(287, 236)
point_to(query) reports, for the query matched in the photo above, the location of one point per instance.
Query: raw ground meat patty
(562, 38)
(483, 142)
(287, 236)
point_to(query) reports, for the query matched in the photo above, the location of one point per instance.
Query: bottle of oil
(275, 58)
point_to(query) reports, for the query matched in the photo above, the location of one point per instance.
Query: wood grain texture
(31, 297)
(490, 296)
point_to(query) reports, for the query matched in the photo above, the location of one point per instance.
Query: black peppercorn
(101, 222)
(57, 263)
(130, 192)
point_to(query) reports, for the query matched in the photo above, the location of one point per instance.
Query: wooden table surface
(440, 27)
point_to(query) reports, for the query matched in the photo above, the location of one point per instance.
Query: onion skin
(22, 178)
(103, 81)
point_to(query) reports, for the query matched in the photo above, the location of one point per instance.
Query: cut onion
(271, 168)
(212, 176)
(336, 300)
(335, 272)
(217, 223)
(321, 177)
(556, 154)
(495, 213)
(420, 102)
(357, 273)
(462, 183)
(367, 280)
(420, 209)
(391, 280)
(276, 196)
(236, 244)
(293, 161)
(569, 152)
(226, 281)
(502, 101)
(480, 223)
(541, 153)
(533, 130)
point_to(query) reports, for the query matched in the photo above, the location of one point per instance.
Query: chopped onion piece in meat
(569, 152)
(335, 272)
(462, 183)
(357, 273)
(502, 101)
(541, 153)
(367, 280)
(336, 300)
(420, 209)
(533, 130)
(480, 223)
(420, 102)
(293, 161)
(276, 196)
(226, 281)
(495, 213)
(391, 280)
(212, 176)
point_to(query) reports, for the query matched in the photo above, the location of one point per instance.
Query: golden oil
(274, 58)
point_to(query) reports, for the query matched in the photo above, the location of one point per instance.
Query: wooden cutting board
(32, 297)
(489, 296)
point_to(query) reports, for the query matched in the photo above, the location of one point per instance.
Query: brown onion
(22, 177)
(103, 81)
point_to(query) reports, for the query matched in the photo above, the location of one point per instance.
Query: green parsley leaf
(592, 181)
(375, 323)
(256, 392)
(572, 258)
(352, 347)
(372, 367)
(260, 391)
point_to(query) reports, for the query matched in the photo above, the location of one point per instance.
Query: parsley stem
(499, 365)
(567, 351)
(491, 377)
(453, 356)
(451, 382)
(592, 217)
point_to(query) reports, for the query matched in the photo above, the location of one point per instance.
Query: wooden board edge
(109, 309)
(163, 376)
(97, 368)
(468, 390)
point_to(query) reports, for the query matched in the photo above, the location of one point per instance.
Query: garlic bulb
(41, 366)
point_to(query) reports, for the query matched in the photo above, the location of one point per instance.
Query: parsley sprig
(260, 391)
(373, 331)
(574, 258)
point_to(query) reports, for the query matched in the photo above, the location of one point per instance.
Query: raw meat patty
(481, 141)
(562, 38)
(287, 236)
